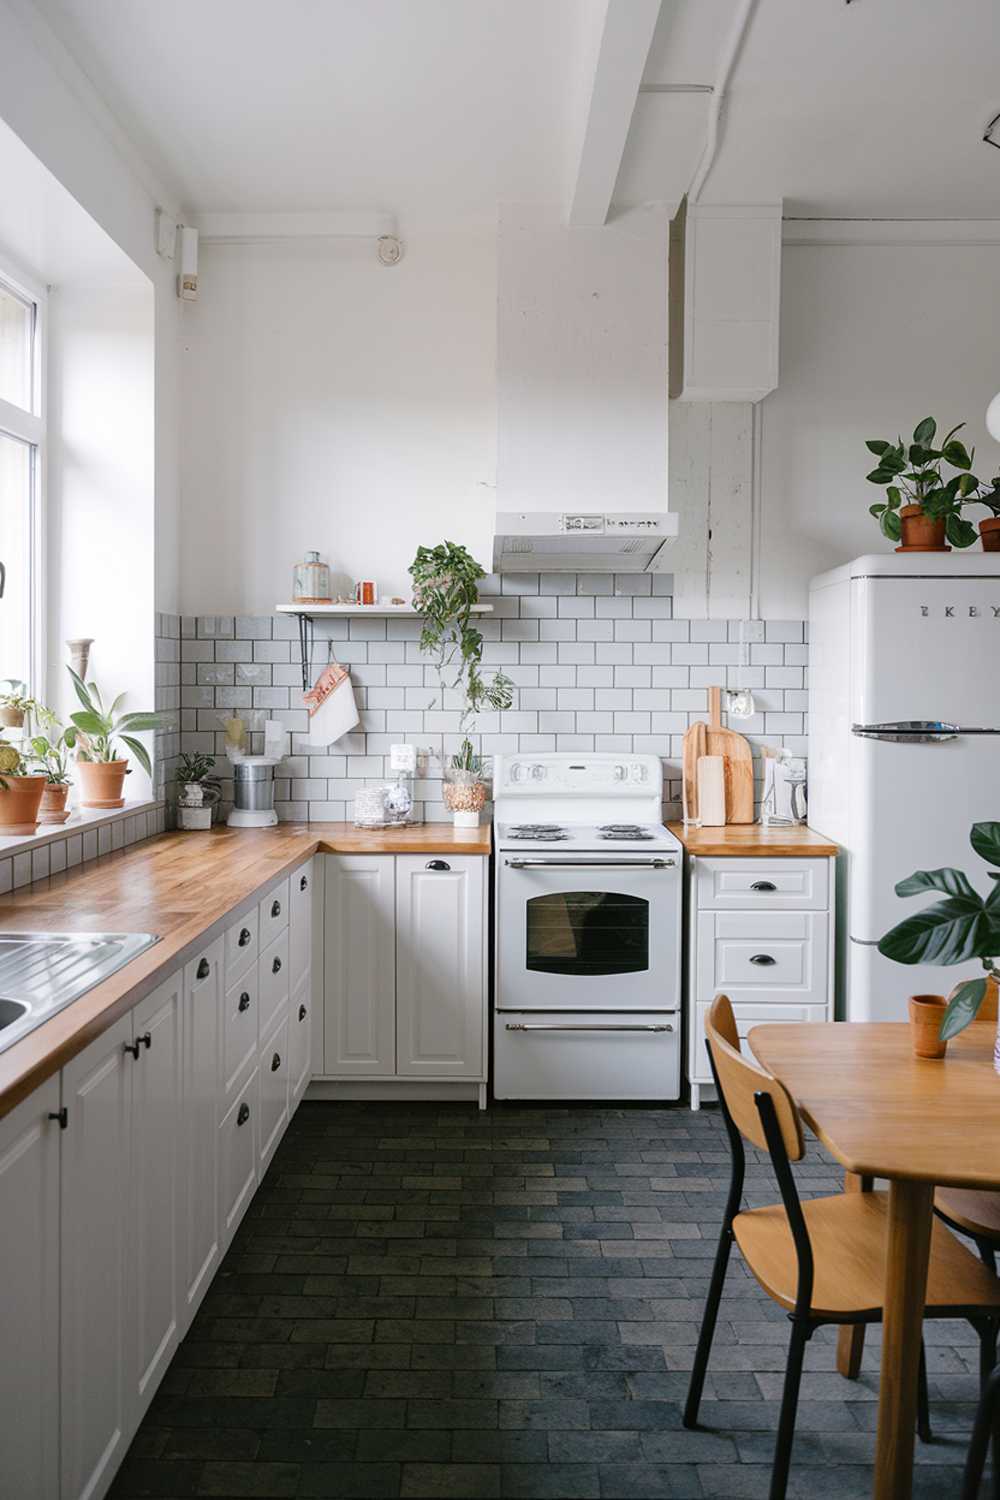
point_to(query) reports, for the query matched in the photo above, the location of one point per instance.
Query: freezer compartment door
(580, 1055)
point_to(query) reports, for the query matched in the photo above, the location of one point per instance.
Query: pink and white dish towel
(332, 709)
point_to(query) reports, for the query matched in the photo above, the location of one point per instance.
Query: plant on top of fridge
(914, 474)
(963, 926)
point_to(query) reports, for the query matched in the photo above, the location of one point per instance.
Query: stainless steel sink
(41, 972)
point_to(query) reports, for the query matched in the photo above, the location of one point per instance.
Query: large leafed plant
(964, 926)
(914, 474)
(100, 727)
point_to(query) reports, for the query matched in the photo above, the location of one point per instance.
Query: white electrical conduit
(730, 52)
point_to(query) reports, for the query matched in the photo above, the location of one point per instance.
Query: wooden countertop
(753, 840)
(187, 888)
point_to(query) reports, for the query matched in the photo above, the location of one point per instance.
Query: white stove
(588, 948)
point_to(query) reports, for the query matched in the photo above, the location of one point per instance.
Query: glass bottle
(311, 581)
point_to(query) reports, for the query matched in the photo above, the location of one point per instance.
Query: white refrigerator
(904, 747)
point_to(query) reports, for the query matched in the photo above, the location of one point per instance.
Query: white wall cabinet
(761, 932)
(405, 973)
(29, 1295)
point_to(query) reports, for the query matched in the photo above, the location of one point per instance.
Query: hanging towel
(332, 710)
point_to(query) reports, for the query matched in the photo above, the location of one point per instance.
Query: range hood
(582, 542)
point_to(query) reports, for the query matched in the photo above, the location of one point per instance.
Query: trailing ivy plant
(445, 589)
(912, 475)
(963, 926)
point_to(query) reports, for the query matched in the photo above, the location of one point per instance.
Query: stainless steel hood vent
(584, 542)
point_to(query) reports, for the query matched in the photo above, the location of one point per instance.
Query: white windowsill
(79, 821)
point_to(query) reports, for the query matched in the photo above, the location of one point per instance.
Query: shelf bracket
(307, 637)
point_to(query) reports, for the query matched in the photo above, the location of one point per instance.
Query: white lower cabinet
(201, 1084)
(273, 1069)
(360, 949)
(440, 1010)
(300, 1040)
(238, 1158)
(29, 1296)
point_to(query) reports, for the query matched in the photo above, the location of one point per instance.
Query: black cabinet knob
(62, 1115)
(275, 1062)
(276, 966)
(243, 1114)
(763, 959)
(437, 864)
(763, 885)
(302, 1012)
(244, 937)
(275, 908)
(204, 968)
(132, 1047)
(244, 1001)
(146, 1039)
(304, 883)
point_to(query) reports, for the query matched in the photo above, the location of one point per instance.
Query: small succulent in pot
(199, 790)
(101, 769)
(465, 784)
(15, 705)
(50, 753)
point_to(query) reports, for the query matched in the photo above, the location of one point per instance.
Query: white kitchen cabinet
(156, 1290)
(95, 1211)
(300, 1040)
(238, 1158)
(273, 1094)
(29, 1295)
(440, 1008)
(761, 932)
(360, 954)
(202, 1087)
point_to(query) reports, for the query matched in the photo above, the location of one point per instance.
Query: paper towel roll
(712, 791)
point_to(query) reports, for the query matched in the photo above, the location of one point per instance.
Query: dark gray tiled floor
(428, 1301)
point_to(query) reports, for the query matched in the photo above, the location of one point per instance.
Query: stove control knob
(637, 772)
(516, 772)
(620, 773)
(538, 773)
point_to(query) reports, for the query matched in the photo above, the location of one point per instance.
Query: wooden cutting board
(738, 758)
(695, 746)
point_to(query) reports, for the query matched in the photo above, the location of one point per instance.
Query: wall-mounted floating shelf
(308, 614)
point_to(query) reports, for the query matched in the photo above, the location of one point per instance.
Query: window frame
(30, 427)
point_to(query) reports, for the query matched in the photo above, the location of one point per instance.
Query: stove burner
(629, 835)
(550, 833)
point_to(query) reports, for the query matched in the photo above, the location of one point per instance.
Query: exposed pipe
(730, 52)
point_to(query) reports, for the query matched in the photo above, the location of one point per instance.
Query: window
(22, 438)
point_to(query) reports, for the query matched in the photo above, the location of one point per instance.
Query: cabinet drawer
(242, 945)
(273, 913)
(299, 1040)
(273, 1069)
(239, 1035)
(747, 1016)
(300, 923)
(273, 982)
(775, 956)
(762, 884)
(238, 1157)
(562, 1056)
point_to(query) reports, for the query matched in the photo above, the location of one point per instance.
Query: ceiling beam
(625, 42)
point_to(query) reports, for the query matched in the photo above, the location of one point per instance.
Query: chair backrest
(740, 1080)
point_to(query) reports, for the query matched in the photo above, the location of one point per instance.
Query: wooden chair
(823, 1260)
(984, 1427)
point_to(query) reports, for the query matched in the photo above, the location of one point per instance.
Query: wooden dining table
(884, 1113)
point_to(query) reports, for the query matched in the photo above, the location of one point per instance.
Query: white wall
(333, 402)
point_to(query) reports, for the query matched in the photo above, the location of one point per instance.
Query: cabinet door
(360, 951)
(29, 1296)
(156, 1288)
(95, 1194)
(201, 1082)
(299, 1039)
(238, 1157)
(440, 969)
(273, 1070)
(300, 924)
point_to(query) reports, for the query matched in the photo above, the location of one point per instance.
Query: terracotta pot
(53, 808)
(19, 803)
(989, 531)
(101, 782)
(926, 1014)
(12, 718)
(921, 533)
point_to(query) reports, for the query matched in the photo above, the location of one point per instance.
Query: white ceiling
(445, 108)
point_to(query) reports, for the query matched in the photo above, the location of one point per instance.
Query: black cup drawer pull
(764, 959)
(437, 864)
(276, 1062)
(276, 966)
(275, 908)
(304, 883)
(244, 1001)
(243, 1114)
(763, 885)
(204, 968)
(246, 936)
(302, 1012)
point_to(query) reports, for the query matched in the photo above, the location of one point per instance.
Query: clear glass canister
(311, 581)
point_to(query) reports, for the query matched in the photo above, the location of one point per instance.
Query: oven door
(588, 933)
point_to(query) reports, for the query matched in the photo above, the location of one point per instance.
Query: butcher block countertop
(753, 840)
(186, 888)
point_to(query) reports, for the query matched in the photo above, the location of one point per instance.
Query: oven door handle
(597, 1026)
(591, 864)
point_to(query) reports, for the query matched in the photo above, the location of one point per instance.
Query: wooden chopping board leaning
(712, 739)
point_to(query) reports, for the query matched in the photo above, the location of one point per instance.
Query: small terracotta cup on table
(926, 1015)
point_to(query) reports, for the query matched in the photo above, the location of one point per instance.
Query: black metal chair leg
(923, 1401)
(987, 1254)
(986, 1418)
(789, 1407)
(709, 1318)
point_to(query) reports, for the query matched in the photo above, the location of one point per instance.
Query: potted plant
(199, 791)
(101, 770)
(921, 506)
(989, 530)
(444, 593)
(20, 792)
(961, 927)
(50, 752)
(15, 704)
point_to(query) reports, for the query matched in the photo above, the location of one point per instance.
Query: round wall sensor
(390, 249)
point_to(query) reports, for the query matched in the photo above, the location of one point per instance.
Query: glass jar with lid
(311, 581)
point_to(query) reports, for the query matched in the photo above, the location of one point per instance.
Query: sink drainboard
(41, 972)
